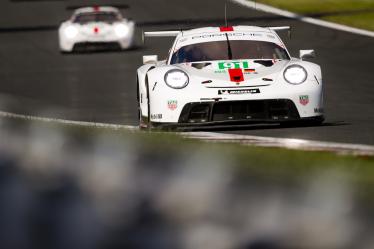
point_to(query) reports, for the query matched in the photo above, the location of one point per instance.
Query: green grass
(356, 13)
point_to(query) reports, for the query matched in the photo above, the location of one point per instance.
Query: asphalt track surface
(35, 79)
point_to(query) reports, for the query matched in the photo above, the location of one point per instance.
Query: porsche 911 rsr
(96, 28)
(228, 76)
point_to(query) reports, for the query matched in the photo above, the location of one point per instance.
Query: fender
(143, 89)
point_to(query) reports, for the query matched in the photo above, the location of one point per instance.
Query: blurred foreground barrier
(91, 188)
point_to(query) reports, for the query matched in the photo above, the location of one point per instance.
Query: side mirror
(307, 54)
(150, 59)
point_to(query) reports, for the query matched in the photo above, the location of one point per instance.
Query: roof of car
(210, 34)
(95, 9)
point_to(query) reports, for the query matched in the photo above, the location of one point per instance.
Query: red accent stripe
(226, 29)
(236, 75)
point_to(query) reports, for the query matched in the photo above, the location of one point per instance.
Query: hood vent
(265, 63)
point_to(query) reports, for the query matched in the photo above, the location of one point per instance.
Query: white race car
(228, 76)
(96, 28)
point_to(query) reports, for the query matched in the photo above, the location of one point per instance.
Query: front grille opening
(220, 112)
(199, 114)
(226, 111)
(238, 111)
(96, 46)
(256, 110)
(280, 110)
(253, 110)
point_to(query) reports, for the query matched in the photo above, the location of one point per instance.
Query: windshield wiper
(229, 51)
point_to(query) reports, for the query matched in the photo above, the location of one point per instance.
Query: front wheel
(144, 124)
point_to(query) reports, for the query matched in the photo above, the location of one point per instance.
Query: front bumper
(311, 121)
(95, 43)
(190, 108)
(237, 113)
(96, 46)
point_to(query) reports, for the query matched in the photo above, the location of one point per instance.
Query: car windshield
(108, 17)
(232, 50)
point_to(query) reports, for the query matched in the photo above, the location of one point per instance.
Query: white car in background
(228, 76)
(96, 28)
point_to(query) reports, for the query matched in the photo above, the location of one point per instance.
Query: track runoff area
(300, 144)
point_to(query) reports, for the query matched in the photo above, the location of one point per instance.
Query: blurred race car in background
(228, 76)
(96, 28)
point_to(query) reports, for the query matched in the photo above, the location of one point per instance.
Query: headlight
(176, 79)
(295, 74)
(121, 30)
(71, 32)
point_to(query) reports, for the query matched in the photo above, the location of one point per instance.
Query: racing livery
(96, 28)
(228, 76)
